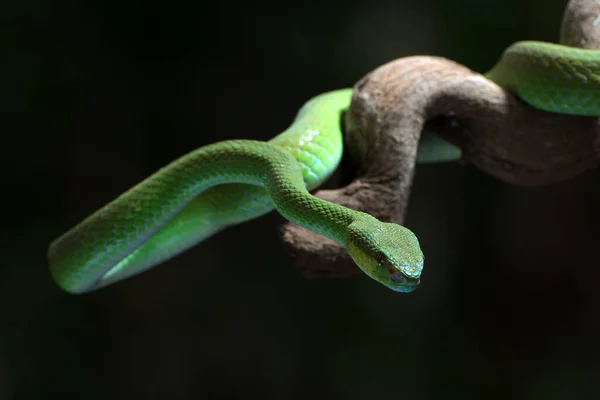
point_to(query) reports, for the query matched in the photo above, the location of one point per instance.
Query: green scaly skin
(230, 182)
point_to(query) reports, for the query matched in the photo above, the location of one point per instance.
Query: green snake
(230, 182)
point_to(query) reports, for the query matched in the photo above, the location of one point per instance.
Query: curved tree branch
(496, 131)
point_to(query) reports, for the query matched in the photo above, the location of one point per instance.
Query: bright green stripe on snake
(180, 205)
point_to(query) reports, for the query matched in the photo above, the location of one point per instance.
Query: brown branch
(580, 26)
(497, 132)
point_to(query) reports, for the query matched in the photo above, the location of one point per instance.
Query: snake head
(387, 252)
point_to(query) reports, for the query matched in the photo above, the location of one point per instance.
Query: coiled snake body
(233, 181)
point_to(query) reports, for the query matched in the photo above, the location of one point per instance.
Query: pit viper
(229, 182)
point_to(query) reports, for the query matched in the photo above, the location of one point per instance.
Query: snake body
(226, 183)
(551, 77)
(230, 182)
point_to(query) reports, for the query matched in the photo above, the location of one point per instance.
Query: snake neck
(325, 218)
(283, 179)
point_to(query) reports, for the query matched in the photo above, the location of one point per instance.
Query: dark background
(98, 95)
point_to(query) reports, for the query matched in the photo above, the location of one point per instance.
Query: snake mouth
(404, 287)
(400, 282)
